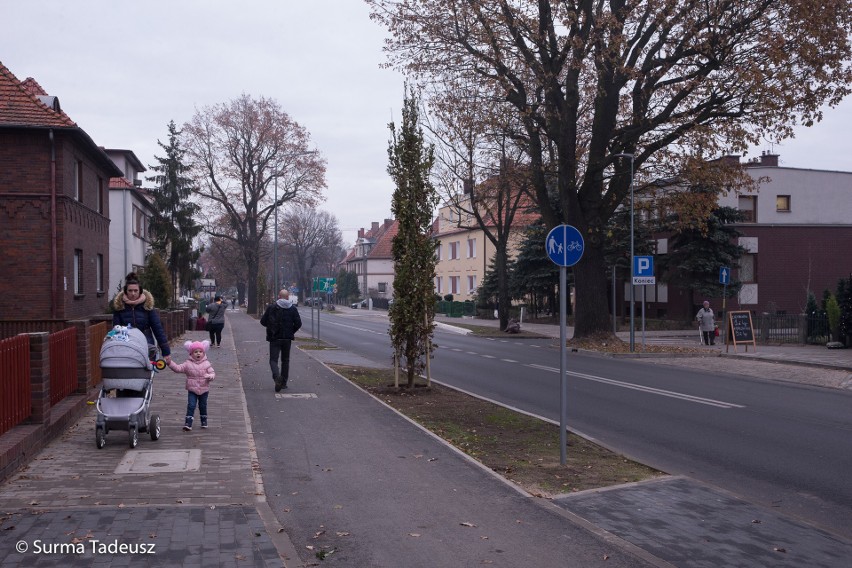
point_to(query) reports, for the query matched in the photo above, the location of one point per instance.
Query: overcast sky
(122, 69)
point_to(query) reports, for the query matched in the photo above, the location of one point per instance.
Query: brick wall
(25, 230)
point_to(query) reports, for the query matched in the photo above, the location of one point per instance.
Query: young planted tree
(245, 153)
(669, 83)
(173, 225)
(414, 200)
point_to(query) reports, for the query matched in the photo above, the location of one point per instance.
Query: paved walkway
(197, 499)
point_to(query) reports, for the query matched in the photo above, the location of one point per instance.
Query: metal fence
(455, 309)
(15, 382)
(63, 364)
(801, 329)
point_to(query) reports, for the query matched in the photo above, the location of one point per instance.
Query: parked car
(356, 305)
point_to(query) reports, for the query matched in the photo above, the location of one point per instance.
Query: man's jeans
(280, 348)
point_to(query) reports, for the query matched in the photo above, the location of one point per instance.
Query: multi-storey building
(54, 208)
(371, 259)
(797, 233)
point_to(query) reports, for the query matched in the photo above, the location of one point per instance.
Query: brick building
(54, 208)
(797, 233)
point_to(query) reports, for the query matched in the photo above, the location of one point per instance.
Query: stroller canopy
(125, 347)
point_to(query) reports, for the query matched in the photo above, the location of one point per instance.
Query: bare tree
(312, 242)
(665, 81)
(245, 152)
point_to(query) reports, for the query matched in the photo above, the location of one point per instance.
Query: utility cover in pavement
(296, 395)
(162, 461)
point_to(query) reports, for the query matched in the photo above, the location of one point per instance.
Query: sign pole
(564, 246)
(563, 368)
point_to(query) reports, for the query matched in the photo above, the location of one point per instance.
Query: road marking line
(509, 360)
(489, 356)
(651, 390)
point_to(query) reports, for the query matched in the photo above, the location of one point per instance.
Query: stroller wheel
(133, 437)
(100, 438)
(154, 426)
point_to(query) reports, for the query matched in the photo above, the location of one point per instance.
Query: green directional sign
(325, 285)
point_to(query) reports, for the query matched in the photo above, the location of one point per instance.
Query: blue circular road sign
(564, 245)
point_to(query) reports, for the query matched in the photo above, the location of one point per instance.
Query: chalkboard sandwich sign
(740, 330)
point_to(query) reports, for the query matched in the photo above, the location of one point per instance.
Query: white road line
(489, 356)
(509, 360)
(651, 390)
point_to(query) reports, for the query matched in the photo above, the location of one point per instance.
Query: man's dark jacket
(281, 320)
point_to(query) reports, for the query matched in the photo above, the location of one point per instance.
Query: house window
(140, 223)
(454, 250)
(782, 203)
(383, 287)
(746, 273)
(747, 204)
(438, 284)
(78, 180)
(471, 284)
(78, 272)
(99, 272)
(471, 248)
(100, 195)
(454, 284)
(438, 250)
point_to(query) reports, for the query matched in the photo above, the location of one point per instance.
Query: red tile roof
(120, 183)
(384, 240)
(20, 105)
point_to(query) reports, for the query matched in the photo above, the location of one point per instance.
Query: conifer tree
(155, 279)
(413, 204)
(173, 226)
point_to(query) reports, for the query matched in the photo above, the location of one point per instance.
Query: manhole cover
(165, 461)
(296, 395)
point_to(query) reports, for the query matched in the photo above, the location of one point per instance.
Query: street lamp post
(632, 254)
(275, 236)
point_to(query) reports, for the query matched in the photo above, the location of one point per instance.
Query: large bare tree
(669, 82)
(245, 152)
(312, 242)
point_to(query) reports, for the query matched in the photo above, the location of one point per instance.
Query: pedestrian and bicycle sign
(643, 270)
(564, 245)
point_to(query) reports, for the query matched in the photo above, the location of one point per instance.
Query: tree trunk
(503, 299)
(592, 307)
(251, 307)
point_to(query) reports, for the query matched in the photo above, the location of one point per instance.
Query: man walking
(281, 321)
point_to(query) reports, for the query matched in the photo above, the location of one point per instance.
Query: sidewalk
(187, 499)
(390, 492)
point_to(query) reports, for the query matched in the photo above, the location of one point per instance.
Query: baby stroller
(127, 364)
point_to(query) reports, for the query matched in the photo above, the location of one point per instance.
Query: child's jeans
(193, 400)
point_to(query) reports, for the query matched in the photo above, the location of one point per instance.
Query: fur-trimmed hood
(118, 301)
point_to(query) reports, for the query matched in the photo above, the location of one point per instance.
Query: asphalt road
(780, 445)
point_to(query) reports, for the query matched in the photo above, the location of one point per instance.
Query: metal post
(275, 247)
(632, 256)
(643, 316)
(632, 260)
(563, 369)
(614, 315)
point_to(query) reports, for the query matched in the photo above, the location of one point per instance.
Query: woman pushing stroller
(135, 307)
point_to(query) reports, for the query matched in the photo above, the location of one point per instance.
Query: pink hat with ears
(193, 345)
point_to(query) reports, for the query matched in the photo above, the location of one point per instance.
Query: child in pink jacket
(199, 372)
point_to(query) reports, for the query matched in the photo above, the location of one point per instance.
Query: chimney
(769, 160)
(730, 159)
(388, 222)
(375, 227)
(361, 233)
(467, 186)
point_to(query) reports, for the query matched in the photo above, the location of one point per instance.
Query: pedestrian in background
(281, 321)
(199, 372)
(707, 324)
(216, 320)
